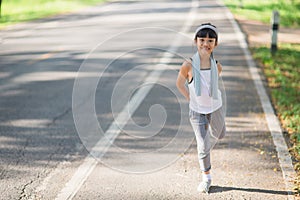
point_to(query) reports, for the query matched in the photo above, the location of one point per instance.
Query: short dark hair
(207, 32)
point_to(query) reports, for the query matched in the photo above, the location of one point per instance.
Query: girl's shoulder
(187, 63)
(186, 68)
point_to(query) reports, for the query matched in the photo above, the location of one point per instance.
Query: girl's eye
(210, 41)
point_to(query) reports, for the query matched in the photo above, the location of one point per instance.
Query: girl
(205, 99)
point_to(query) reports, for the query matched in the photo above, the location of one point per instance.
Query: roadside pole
(274, 30)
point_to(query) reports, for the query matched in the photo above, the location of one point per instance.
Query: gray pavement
(40, 149)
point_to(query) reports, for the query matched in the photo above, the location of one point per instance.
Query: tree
(0, 7)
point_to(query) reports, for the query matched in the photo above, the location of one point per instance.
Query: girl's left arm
(219, 67)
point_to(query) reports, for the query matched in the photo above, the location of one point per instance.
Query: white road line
(285, 160)
(85, 169)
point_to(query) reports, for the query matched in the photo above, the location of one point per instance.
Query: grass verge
(281, 70)
(262, 10)
(283, 74)
(15, 11)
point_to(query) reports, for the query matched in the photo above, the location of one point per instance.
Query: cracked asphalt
(40, 148)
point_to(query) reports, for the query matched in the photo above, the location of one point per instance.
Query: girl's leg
(199, 123)
(200, 126)
(217, 123)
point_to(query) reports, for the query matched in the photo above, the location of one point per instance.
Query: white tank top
(205, 103)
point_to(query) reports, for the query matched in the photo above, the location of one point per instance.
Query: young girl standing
(205, 99)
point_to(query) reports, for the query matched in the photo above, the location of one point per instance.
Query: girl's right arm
(181, 79)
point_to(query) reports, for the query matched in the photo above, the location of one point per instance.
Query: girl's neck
(205, 61)
(204, 57)
(205, 64)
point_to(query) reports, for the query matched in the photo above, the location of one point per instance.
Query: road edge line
(284, 157)
(84, 170)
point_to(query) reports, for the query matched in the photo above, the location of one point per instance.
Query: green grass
(262, 10)
(283, 74)
(14, 11)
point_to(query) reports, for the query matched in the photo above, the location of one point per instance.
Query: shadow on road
(218, 189)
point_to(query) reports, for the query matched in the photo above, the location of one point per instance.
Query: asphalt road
(65, 80)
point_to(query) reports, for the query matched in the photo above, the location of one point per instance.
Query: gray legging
(207, 138)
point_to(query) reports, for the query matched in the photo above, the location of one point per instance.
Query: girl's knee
(223, 133)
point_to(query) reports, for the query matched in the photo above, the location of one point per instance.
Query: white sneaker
(204, 186)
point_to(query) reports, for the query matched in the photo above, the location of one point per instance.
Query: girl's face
(205, 45)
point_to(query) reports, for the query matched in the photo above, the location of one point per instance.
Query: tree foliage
(0, 7)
